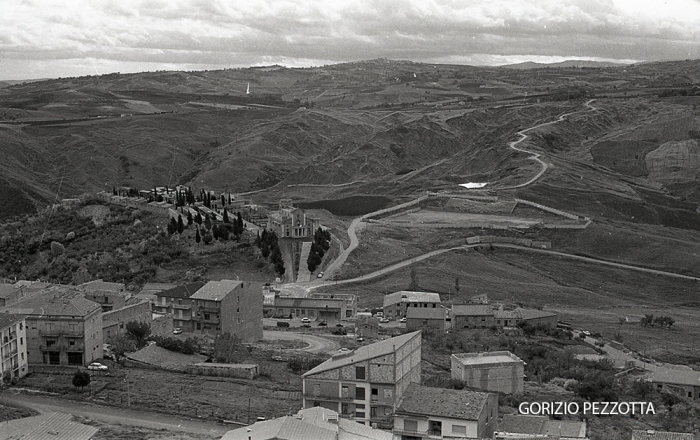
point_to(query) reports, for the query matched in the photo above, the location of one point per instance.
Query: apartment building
(62, 327)
(365, 384)
(177, 302)
(13, 346)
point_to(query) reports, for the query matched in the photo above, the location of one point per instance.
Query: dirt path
(352, 229)
(536, 156)
(114, 415)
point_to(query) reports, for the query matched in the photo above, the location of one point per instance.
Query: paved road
(317, 344)
(352, 229)
(114, 415)
(536, 156)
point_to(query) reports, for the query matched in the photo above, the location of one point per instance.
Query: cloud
(233, 34)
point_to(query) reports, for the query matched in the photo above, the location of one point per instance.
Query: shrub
(81, 379)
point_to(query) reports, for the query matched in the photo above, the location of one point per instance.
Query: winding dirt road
(536, 156)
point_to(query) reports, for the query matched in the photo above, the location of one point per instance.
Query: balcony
(182, 306)
(311, 396)
(422, 434)
(51, 333)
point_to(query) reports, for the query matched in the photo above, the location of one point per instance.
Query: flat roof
(216, 290)
(485, 358)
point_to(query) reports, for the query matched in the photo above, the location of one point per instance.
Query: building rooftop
(184, 291)
(534, 313)
(472, 310)
(410, 296)
(371, 351)
(425, 313)
(678, 377)
(54, 426)
(8, 319)
(506, 314)
(283, 428)
(157, 287)
(486, 358)
(308, 302)
(216, 290)
(103, 285)
(542, 425)
(6, 290)
(441, 402)
(660, 435)
(54, 303)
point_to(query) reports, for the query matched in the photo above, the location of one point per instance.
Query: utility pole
(128, 391)
(248, 410)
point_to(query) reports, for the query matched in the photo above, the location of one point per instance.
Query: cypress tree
(189, 218)
(240, 221)
(197, 237)
(198, 218)
(226, 220)
(180, 225)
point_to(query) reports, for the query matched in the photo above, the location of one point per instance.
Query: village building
(396, 304)
(429, 319)
(291, 222)
(365, 384)
(367, 327)
(518, 426)
(312, 423)
(229, 306)
(13, 292)
(685, 383)
(312, 308)
(472, 316)
(438, 413)
(110, 296)
(349, 298)
(53, 425)
(496, 371)
(62, 327)
(114, 321)
(13, 346)
(177, 302)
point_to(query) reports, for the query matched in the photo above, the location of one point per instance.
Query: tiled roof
(283, 428)
(441, 402)
(425, 313)
(410, 296)
(678, 377)
(8, 319)
(522, 424)
(61, 426)
(6, 290)
(184, 291)
(659, 435)
(103, 285)
(371, 351)
(565, 428)
(471, 310)
(158, 286)
(54, 303)
(215, 290)
(506, 314)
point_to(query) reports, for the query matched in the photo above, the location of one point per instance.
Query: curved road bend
(115, 415)
(317, 344)
(536, 156)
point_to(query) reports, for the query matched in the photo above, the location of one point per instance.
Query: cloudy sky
(53, 38)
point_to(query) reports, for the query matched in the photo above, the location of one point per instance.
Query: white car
(344, 350)
(383, 320)
(96, 366)
(177, 331)
(305, 320)
(402, 320)
(320, 275)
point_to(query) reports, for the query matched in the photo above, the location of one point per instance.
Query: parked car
(384, 320)
(306, 325)
(344, 350)
(360, 339)
(177, 331)
(320, 275)
(96, 366)
(322, 324)
(339, 325)
(282, 324)
(305, 320)
(402, 320)
(279, 358)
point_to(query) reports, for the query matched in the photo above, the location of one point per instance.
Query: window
(21, 341)
(50, 343)
(373, 411)
(21, 355)
(344, 392)
(199, 326)
(434, 305)
(21, 326)
(316, 403)
(71, 343)
(360, 414)
(359, 393)
(344, 409)
(459, 429)
(410, 425)
(317, 389)
(375, 393)
(690, 394)
(207, 316)
(359, 372)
